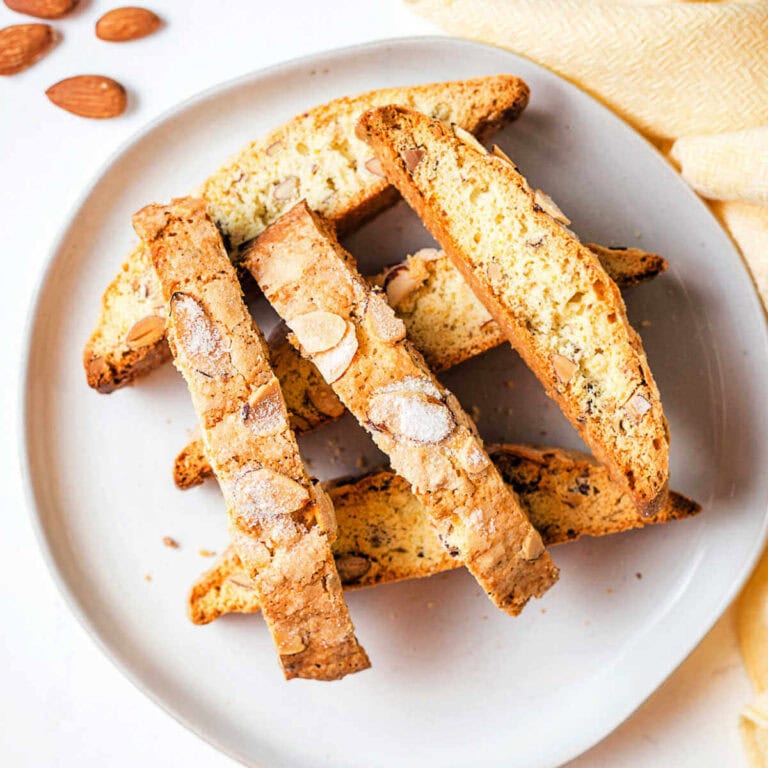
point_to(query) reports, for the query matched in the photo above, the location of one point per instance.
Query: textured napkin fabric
(692, 77)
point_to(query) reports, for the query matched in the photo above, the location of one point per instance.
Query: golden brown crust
(282, 526)
(385, 535)
(316, 156)
(443, 318)
(351, 334)
(547, 292)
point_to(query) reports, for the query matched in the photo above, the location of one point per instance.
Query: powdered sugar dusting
(198, 338)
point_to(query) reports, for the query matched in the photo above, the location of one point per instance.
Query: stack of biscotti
(548, 292)
(442, 317)
(385, 534)
(353, 337)
(281, 524)
(315, 156)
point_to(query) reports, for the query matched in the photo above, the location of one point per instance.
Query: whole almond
(22, 45)
(89, 96)
(42, 9)
(124, 24)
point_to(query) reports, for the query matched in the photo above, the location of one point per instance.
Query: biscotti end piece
(353, 337)
(547, 291)
(315, 156)
(385, 534)
(281, 524)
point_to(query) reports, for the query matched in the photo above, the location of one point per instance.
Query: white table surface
(63, 703)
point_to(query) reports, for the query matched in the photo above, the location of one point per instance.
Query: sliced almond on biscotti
(548, 292)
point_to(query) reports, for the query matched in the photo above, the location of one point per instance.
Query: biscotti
(353, 337)
(385, 534)
(548, 292)
(443, 318)
(281, 524)
(314, 156)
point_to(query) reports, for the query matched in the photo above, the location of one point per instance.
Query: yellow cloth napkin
(693, 77)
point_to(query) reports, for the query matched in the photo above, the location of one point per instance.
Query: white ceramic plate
(454, 682)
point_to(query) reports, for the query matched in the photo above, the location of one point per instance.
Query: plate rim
(52, 257)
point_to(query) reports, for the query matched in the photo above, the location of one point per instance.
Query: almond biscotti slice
(385, 534)
(442, 317)
(282, 526)
(351, 334)
(547, 291)
(315, 156)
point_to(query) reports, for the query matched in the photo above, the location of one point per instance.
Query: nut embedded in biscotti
(564, 368)
(411, 410)
(198, 338)
(318, 331)
(147, 331)
(399, 282)
(352, 568)
(468, 138)
(288, 643)
(637, 406)
(500, 153)
(274, 148)
(374, 166)
(428, 254)
(493, 270)
(472, 457)
(241, 581)
(383, 322)
(334, 362)
(263, 413)
(532, 547)
(412, 157)
(549, 206)
(286, 189)
(262, 495)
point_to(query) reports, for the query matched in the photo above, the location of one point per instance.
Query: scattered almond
(92, 96)
(22, 45)
(129, 23)
(42, 9)
(334, 362)
(318, 331)
(564, 368)
(206, 553)
(146, 332)
(412, 157)
(375, 167)
(169, 542)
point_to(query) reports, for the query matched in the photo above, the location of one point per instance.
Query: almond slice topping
(472, 457)
(334, 362)
(383, 322)
(549, 206)
(564, 368)
(265, 498)
(198, 338)
(318, 331)
(264, 413)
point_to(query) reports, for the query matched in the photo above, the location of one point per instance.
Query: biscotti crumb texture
(548, 292)
(353, 337)
(281, 524)
(385, 534)
(314, 156)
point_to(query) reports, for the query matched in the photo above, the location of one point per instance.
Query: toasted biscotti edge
(582, 348)
(567, 495)
(480, 105)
